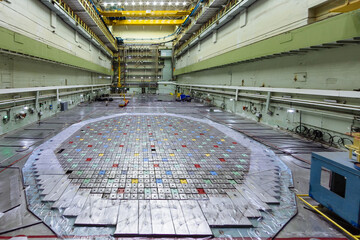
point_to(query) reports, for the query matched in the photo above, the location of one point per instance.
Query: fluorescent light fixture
(231, 99)
(291, 110)
(330, 100)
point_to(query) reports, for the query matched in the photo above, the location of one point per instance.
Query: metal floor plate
(150, 175)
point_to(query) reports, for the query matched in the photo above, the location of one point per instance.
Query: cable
(317, 135)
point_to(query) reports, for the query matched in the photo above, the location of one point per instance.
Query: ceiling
(138, 5)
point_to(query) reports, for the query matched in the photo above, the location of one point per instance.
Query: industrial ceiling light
(184, 3)
(140, 3)
(291, 110)
(170, 3)
(147, 3)
(154, 3)
(133, 3)
(126, 3)
(119, 3)
(105, 4)
(161, 3)
(177, 3)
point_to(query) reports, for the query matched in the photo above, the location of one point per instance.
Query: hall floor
(156, 168)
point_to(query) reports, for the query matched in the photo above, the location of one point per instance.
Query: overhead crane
(144, 22)
(347, 7)
(147, 13)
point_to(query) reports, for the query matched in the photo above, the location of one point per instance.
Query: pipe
(34, 89)
(119, 73)
(295, 101)
(24, 99)
(316, 92)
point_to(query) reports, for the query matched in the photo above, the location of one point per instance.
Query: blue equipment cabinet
(343, 195)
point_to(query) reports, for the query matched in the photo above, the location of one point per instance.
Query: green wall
(341, 27)
(20, 72)
(335, 68)
(11, 110)
(18, 43)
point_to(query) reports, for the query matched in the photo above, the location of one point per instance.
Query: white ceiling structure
(136, 5)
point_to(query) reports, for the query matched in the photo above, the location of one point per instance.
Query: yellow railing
(315, 208)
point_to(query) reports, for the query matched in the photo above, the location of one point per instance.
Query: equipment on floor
(124, 101)
(183, 98)
(104, 97)
(342, 196)
(64, 106)
(355, 147)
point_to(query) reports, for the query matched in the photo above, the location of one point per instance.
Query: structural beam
(144, 22)
(148, 13)
(348, 7)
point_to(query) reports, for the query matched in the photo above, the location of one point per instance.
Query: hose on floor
(322, 136)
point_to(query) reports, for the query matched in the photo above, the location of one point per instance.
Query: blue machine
(343, 194)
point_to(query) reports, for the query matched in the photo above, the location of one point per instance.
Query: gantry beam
(348, 7)
(144, 22)
(172, 13)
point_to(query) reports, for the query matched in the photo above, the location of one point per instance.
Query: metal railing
(66, 8)
(229, 6)
(98, 20)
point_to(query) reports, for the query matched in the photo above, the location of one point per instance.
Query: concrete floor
(15, 147)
